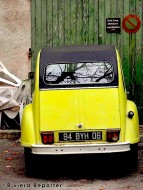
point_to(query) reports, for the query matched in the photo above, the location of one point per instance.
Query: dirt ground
(13, 175)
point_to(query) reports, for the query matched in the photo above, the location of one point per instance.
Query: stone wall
(15, 36)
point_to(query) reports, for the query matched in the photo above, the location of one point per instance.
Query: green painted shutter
(66, 22)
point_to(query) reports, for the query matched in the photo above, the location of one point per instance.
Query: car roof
(78, 48)
(77, 54)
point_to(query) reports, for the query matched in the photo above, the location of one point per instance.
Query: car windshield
(78, 73)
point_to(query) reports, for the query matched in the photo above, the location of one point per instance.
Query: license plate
(80, 136)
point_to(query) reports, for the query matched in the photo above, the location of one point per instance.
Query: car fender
(132, 124)
(27, 127)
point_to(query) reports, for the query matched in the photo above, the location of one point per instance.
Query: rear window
(78, 73)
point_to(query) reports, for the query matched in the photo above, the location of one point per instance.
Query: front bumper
(80, 149)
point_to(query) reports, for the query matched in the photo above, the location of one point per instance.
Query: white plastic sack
(7, 99)
(8, 87)
(14, 95)
(6, 78)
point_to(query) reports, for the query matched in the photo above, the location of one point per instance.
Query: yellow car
(79, 106)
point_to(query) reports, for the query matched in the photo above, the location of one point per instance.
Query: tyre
(134, 157)
(29, 161)
(131, 159)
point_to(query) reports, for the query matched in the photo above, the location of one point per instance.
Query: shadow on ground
(80, 167)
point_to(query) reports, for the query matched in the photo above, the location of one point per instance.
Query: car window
(78, 73)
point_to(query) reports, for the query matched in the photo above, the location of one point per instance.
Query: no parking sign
(131, 23)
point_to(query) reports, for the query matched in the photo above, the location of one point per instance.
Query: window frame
(77, 84)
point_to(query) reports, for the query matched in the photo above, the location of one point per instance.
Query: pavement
(68, 176)
(63, 174)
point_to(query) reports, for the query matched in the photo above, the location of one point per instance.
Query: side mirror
(31, 75)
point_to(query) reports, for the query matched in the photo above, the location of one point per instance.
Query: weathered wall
(15, 36)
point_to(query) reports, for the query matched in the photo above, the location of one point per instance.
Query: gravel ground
(13, 175)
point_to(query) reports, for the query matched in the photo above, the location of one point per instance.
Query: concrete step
(10, 134)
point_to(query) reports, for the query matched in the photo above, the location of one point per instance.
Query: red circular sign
(131, 23)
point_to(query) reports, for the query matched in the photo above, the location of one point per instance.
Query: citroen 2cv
(79, 106)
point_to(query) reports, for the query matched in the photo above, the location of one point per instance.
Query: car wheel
(29, 161)
(134, 157)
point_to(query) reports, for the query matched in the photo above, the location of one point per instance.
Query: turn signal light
(113, 135)
(47, 137)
